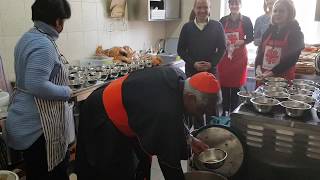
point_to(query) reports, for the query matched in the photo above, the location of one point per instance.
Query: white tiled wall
(88, 27)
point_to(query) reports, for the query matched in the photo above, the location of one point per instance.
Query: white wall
(174, 27)
(88, 27)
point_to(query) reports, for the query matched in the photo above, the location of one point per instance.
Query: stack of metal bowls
(302, 98)
(245, 96)
(295, 108)
(264, 104)
(280, 95)
(277, 84)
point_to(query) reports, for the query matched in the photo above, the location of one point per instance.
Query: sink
(4, 98)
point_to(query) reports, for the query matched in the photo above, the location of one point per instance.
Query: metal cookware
(302, 81)
(274, 88)
(213, 158)
(275, 79)
(76, 83)
(300, 91)
(246, 96)
(306, 87)
(280, 95)
(277, 84)
(264, 104)
(295, 108)
(302, 98)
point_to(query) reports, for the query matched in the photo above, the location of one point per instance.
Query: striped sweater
(36, 62)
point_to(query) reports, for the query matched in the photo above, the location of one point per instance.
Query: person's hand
(198, 146)
(267, 74)
(239, 43)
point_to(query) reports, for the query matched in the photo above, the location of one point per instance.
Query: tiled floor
(156, 173)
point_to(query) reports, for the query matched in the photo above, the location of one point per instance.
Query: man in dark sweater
(202, 41)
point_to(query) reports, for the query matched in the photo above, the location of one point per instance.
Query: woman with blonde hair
(262, 23)
(281, 43)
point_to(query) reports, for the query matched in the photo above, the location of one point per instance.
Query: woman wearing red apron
(281, 44)
(232, 69)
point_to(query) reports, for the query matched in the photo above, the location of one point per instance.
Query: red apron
(233, 72)
(273, 50)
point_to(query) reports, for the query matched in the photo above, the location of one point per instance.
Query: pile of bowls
(212, 158)
(302, 81)
(264, 104)
(274, 88)
(302, 98)
(280, 95)
(295, 108)
(277, 84)
(300, 91)
(245, 96)
(275, 79)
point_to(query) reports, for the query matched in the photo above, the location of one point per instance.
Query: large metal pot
(203, 175)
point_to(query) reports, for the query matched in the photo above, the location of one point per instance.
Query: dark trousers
(35, 158)
(230, 99)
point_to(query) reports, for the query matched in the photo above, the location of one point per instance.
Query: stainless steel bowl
(295, 108)
(302, 98)
(76, 83)
(246, 96)
(277, 84)
(302, 81)
(300, 91)
(305, 86)
(212, 158)
(280, 95)
(275, 79)
(264, 104)
(203, 175)
(92, 80)
(274, 88)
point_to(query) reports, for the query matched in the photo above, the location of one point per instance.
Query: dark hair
(49, 11)
(231, 1)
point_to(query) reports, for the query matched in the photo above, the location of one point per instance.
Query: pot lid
(217, 136)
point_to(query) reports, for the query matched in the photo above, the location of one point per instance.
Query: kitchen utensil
(295, 108)
(264, 104)
(302, 98)
(213, 158)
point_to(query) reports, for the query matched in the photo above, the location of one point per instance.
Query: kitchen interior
(256, 136)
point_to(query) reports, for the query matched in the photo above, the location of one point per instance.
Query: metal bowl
(212, 158)
(280, 95)
(275, 79)
(302, 98)
(76, 83)
(300, 91)
(274, 88)
(306, 87)
(92, 80)
(246, 96)
(264, 104)
(203, 175)
(302, 81)
(277, 84)
(295, 108)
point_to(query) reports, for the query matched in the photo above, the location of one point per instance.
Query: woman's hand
(198, 146)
